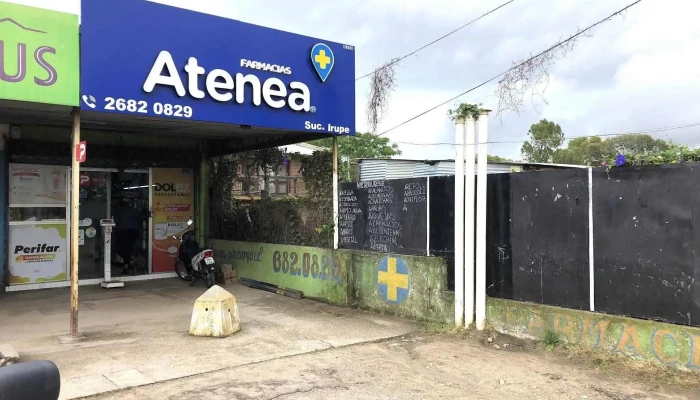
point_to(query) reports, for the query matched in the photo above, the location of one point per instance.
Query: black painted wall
(498, 258)
(550, 237)
(537, 242)
(644, 234)
(442, 225)
(646, 224)
(499, 255)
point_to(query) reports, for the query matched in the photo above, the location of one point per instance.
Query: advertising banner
(142, 58)
(32, 184)
(173, 206)
(37, 253)
(39, 61)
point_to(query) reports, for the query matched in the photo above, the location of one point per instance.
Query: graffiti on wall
(675, 346)
(296, 261)
(316, 272)
(307, 265)
(393, 279)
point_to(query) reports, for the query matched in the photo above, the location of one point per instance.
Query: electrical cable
(570, 38)
(653, 130)
(433, 42)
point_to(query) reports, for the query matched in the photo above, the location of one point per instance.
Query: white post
(459, 222)
(591, 269)
(335, 192)
(427, 222)
(481, 222)
(469, 196)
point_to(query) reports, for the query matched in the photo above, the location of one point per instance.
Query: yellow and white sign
(37, 253)
(173, 206)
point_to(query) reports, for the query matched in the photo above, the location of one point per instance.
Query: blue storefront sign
(151, 60)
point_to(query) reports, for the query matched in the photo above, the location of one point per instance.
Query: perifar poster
(37, 253)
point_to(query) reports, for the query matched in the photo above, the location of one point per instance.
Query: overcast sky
(636, 72)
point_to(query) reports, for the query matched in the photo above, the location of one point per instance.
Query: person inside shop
(128, 230)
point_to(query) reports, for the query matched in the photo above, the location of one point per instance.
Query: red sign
(81, 151)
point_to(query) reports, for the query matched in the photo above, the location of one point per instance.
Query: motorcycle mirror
(189, 222)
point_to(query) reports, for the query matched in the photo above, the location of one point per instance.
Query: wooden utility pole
(74, 215)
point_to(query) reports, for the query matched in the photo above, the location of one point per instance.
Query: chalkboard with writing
(388, 216)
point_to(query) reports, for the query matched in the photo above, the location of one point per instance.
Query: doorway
(124, 197)
(130, 210)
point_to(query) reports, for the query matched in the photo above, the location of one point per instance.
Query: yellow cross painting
(322, 59)
(392, 280)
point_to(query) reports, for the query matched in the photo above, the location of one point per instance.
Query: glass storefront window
(38, 226)
(37, 214)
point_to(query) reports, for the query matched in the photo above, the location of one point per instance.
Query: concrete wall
(319, 273)
(412, 287)
(409, 286)
(673, 345)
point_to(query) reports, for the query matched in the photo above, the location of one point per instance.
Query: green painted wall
(421, 295)
(319, 273)
(413, 287)
(673, 345)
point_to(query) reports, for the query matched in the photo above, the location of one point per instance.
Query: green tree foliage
(545, 138)
(594, 150)
(673, 154)
(585, 151)
(363, 145)
(497, 159)
(637, 144)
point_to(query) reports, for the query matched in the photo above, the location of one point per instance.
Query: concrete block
(215, 314)
(8, 355)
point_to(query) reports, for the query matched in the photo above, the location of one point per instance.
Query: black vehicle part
(36, 380)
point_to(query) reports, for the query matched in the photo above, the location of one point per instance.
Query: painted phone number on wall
(322, 268)
(142, 107)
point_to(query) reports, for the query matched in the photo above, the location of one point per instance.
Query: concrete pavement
(416, 367)
(138, 335)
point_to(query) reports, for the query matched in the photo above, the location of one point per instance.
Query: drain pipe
(459, 222)
(481, 222)
(469, 196)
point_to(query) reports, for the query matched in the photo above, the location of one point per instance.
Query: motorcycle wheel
(209, 279)
(181, 271)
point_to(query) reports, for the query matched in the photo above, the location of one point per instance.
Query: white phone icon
(89, 101)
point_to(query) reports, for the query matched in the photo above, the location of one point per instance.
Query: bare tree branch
(382, 83)
(531, 75)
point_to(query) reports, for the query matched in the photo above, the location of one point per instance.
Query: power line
(434, 41)
(653, 130)
(580, 32)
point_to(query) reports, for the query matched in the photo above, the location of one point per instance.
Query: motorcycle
(194, 262)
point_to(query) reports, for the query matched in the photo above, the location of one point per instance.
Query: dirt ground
(432, 366)
(137, 347)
